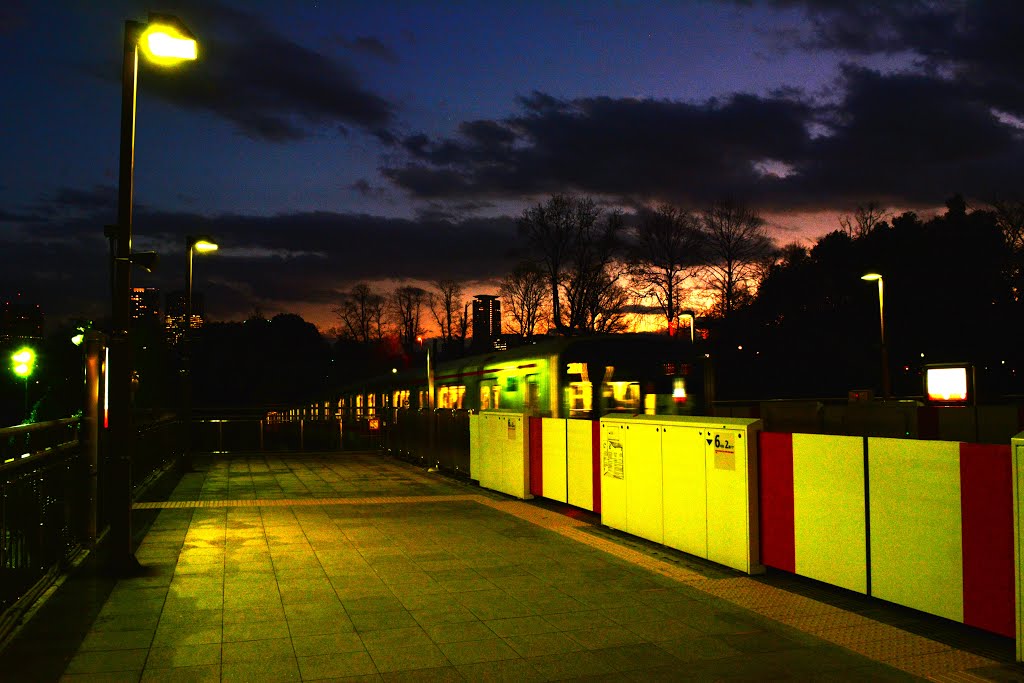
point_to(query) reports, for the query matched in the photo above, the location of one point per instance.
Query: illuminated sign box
(949, 384)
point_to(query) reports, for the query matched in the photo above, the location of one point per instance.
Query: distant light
(78, 339)
(394, 371)
(871, 277)
(740, 347)
(922, 354)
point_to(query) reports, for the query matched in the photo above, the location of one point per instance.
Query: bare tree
(361, 314)
(736, 243)
(863, 219)
(606, 310)
(592, 283)
(522, 294)
(444, 305)
(406, 307)
(668, 250)
(1010, 219)
(552, 232)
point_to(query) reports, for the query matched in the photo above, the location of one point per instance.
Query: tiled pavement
(355, 567)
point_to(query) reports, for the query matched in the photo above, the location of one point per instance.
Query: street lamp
(693, 321)
(870, 277)
(165, 42)
(204, 245)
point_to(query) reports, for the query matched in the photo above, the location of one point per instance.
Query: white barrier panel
(553, 454)
(653, 468)
(1017, 455)
(579, 446)
(916, 535)
(474, 446)
(500, 455)
(828, 509)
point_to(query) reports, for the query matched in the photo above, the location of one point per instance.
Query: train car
(573, 377)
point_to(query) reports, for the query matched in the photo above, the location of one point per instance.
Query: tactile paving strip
(881, 642)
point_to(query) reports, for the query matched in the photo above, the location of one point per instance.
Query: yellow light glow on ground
(947, 384)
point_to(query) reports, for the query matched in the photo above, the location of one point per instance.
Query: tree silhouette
(735, 241)
(522, 294)
(668, 250)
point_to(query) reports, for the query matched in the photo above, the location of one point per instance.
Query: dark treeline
(952, 291)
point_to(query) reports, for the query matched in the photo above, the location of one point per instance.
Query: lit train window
(450, 397)
(623, 396)
(581, 397)
(401, 398)
(485, 398)
(496, 396)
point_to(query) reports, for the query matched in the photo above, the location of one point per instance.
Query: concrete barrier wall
(937, 517)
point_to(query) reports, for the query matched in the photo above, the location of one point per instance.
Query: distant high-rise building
(20, 320)
(145, 306)
(174, 310)
(486, 320)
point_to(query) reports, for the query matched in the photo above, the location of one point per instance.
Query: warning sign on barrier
(374, 423)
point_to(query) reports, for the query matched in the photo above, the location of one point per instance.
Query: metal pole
(91, 432)
(121, 422)
(187, 360)
(886, 385)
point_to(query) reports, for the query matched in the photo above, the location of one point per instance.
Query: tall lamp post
(886, 386)
(204, 245)
(693, 321)
(164, 41)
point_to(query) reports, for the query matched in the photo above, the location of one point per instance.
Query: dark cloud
(285, 262)
(368, 45)
(613, 146)
(269, 86)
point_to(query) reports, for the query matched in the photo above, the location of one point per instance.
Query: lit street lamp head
(166, 42)
(871, 277)
(202, 244)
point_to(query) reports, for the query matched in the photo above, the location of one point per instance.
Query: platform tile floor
(359, 567)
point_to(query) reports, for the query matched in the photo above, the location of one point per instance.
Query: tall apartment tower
(486, 320)
(145, 306)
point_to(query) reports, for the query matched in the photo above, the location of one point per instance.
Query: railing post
(261, 434)
(302, 434)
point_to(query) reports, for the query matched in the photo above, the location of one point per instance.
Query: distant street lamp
(204, 245)
(165, 42)
(886, 387)
(693, 321)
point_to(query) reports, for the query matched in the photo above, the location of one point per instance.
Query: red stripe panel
(986, 504)
(775, 460)
(595, 470)
(536, 456)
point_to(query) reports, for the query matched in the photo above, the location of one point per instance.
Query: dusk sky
(326, 143)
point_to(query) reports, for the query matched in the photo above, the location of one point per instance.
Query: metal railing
(44, 502)
(254, 434)
(436, 438)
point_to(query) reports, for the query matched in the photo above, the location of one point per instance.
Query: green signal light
(23, 362)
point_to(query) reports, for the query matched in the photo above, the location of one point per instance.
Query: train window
(359, 405)
(401, 398)
(532, 399)
(496, 397)
(423, 399)
(581, 398)
(485, 398)
(450, 397)
(371, 404)
(622, 396)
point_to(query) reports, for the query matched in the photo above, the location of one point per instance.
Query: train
(583, 377)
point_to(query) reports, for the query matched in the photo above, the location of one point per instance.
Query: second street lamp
(872, 277)
(166, 42)
(204, 245)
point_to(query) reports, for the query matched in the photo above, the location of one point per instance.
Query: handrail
(37, 426)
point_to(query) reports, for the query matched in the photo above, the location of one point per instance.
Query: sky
(327, 143)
